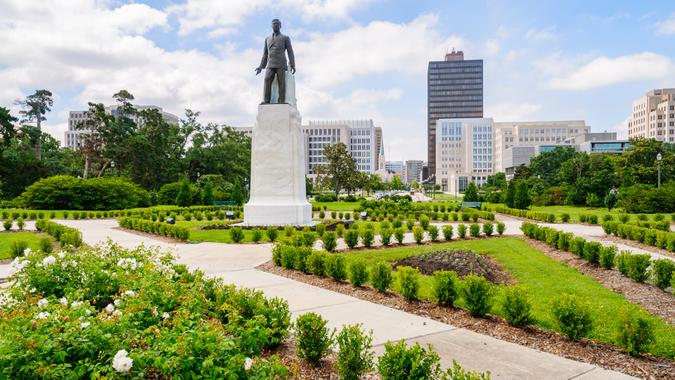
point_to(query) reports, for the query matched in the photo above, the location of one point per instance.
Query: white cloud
(666, 26)
(509, 111)
(621, 129)
(544, 34)
(604, 71)
(491, 47)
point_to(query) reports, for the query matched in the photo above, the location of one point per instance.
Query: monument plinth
(278, 195)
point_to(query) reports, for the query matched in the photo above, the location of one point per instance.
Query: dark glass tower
(454, 90)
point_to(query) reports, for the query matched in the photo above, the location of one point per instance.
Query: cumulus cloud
(666, 26)
(544, 34)
(605, 71)
(511, 111)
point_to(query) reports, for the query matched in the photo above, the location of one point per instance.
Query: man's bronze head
(276, 25)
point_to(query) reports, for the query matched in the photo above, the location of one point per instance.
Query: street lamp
(658, 165)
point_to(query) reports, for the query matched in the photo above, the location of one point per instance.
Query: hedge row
(645, 235)
(157, 228)
(638, 267)
(65, 235)
(540, 216)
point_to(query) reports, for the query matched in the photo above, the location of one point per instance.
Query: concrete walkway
(236, 264)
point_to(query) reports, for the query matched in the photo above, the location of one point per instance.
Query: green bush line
(145, 213)
(527, 214)
(638, 267)
(654, 237)
(65, 235)
(156, 228)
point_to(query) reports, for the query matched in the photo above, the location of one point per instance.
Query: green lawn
(544, 278)
(575, 211)
(7, 238)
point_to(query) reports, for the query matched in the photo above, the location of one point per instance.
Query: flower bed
(105, 312)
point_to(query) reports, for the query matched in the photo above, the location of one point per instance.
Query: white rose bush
(107, 312)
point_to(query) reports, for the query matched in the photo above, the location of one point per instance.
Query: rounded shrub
(516, 306)
(400, 362)
(329, 240)
(340, 229)
(607, 256)
(7, 224)
(636, 331)
(358, 273)
(385, 235)
(316, 263)
(488, 228)
(399, 234)
(354, 357)
(447, 232)
(477, 293)
(445, 284)
(17, 248)
(336, 267)
(418, 234)
(408, 281)
(236, 234)
(424, 222)
(461, 231)
(381, 276)
(367, 237)
(572, 315)
(662, 271)
(46, 245)
(313, 338)
(500, 228)
(638, 265)
(565, 217)
(474, 230)
(433, 233)
(272, 233)
(256, 235)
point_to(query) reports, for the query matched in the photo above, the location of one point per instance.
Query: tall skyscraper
(454, 91)
(653, 116)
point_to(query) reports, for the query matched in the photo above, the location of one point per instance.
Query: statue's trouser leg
(269, 77)
(281, 79)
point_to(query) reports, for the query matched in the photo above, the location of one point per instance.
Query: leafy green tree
(7, 129)
(238, 195)
(510, 194)
(184, 197)
(521, 172)
(546, 165)
(471, 193)
(638, 164)
(498, 181)
(35, 107)
(521, 198)
(611, 199)
(340, 172)
(396, 183)
(588, 174)
(207, 193)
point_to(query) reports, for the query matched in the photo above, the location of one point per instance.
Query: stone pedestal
(277, 170)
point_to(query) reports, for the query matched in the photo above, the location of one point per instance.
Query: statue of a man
(274, 62)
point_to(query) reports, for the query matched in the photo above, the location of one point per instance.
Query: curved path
(236, 264)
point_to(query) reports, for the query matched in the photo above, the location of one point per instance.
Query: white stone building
(653, 116)
(412, 171)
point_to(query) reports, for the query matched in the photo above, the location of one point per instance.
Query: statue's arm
(291, 56)
(263, 62)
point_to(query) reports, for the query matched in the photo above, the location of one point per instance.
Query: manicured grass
(337, 206)
(575, 211)
(544, 279)
(32, 238)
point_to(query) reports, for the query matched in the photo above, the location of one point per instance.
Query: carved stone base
(277, 170)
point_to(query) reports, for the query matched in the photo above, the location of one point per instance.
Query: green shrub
(316, 263)
(288, 256)
(592, 251)
(380, 276)
(17, 248)
(20, 224)
(607, 256)
(308, 238)
(637, 267)
(313, 339)
(399, 362)
(272, 233)
(340, 229)
(256, 235)
(578, 245)
(621, 261)
(445, 284)
(642, 217)
(424, 222)
(367, 237)
(583, 218)
(355, 357)
(572, 315)
(488, 228)
(336, 267)
(289, 231)
(636, 331)
(351, 238)
(565, 217)
(461, 231)
(399, 234)
(236, 234)
(7, 224)
(456, 372)
(329, 241)
(433, 233)
(447, 232)
(474, 230)
(624, 218)
(409, 281)
(385, 235)
(358, 273)
(418, 234)
(477, 293)
(320, 230)
(500, 228)
(46, 245)
(662, 271)
(516, 306)
(592, 219)
(410, 224)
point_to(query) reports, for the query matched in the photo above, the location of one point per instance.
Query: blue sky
(544, 60)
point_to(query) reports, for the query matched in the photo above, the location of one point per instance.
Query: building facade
(653, 116)
(454, 91)
(412, 171)
(395, 167)
(533, 133)
(464, 152)
(73, 136)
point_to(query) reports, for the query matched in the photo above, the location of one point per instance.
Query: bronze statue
(274, 62)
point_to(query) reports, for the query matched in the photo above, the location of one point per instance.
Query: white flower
(27, 252)
(87, 311)
(117, 313)
(165, 315)
(49, 260)
(129, 293)
(43, 302)
(127, 263)
(248, 363)
(43, 315)
(117, 302)
(33, 290)
(110, 308)
(76, 304)
(63, 301)
(61, 254)
(122, 362)
(17, 265)
(84, 325)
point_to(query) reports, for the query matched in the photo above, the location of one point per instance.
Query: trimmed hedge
(527, 214)
(652, 235)
(65, 235)
(156, 228)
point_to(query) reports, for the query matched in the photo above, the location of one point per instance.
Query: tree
(396, 183)
(7, 130)
(510, 194)
(237, 194)
(546, 165)
(207, 193)
(184, 197)
(34, 108)
(498, 180)
(521, 199)
(611, 199)
(471, 193)
(309, 186)
(588, 174)
(638, 164)
(522, 172)
(340, 170)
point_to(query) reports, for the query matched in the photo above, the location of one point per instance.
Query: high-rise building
(464, 152)
(653, 116)
(395, 167)
(412, 171)
(454, 91)
(533, 133)
(73, 135)
(317, 137)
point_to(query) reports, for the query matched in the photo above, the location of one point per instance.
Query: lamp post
(658, 165)
(112, 167)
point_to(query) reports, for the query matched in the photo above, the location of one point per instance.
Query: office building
(653, 116)
(395, 167)
(464, 152)
(412, 171)
(533, 133)
(73, 136)
(454, 91)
